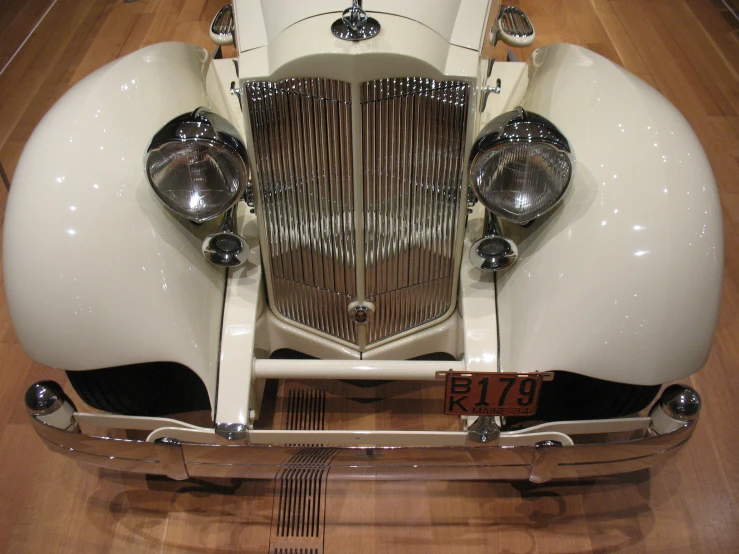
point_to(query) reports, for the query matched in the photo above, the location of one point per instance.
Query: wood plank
(398, 405)
(720, 76)
(111, 33)
(43, 69)
(627, 52)
(19, 19)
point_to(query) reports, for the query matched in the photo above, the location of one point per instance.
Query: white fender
(97, 272)
(622, 280)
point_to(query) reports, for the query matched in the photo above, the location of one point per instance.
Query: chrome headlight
(197, 165)
(520, 166)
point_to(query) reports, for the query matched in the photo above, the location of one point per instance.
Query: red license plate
(494, 394)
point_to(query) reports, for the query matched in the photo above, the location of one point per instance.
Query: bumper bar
(540, 463)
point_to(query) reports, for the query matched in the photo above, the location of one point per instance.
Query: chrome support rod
(491, 226)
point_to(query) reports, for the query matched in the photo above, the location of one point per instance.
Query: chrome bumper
(181, 460)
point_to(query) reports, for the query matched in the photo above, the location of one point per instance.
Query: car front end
(361, 245)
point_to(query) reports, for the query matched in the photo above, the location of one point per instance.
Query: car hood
(459, 22)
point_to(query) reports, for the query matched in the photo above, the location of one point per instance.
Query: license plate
(493, 394)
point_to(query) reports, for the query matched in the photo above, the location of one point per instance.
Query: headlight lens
(197, 166)
(520, 166)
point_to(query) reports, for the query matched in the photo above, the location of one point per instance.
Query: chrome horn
(493, 252)
(224, 247)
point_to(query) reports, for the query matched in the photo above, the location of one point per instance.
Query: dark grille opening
(570, 396)
(150, 389)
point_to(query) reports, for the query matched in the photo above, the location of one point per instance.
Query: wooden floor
(684, 48)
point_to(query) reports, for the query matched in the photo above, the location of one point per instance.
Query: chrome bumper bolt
(46, 402)
(678, 406)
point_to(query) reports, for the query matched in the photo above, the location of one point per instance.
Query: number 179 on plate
(494, 394)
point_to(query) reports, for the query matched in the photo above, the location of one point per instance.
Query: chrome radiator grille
(413, 139)
(302, 140)
(413, 134)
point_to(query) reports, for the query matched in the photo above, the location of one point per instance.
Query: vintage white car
(359, 245)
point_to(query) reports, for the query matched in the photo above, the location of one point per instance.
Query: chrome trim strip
(171, 458)
(513, 21)
(468, 463)
(545, 463)
(223, 22)
(79, 451)
(519, 125)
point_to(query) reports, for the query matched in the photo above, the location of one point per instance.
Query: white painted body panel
(477, 305)
(98, 273)
(456, 21)
(406, 48)
(243, 306)
(622, 280)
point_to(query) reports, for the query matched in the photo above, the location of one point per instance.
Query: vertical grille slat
(302, 138)
(414, 133)
(412, 139)
(295, 155)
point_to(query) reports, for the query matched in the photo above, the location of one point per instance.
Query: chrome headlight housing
(197, 165)
(521, 166)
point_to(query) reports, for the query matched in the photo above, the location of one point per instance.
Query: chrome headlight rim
(201, 126)
(520, 127)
